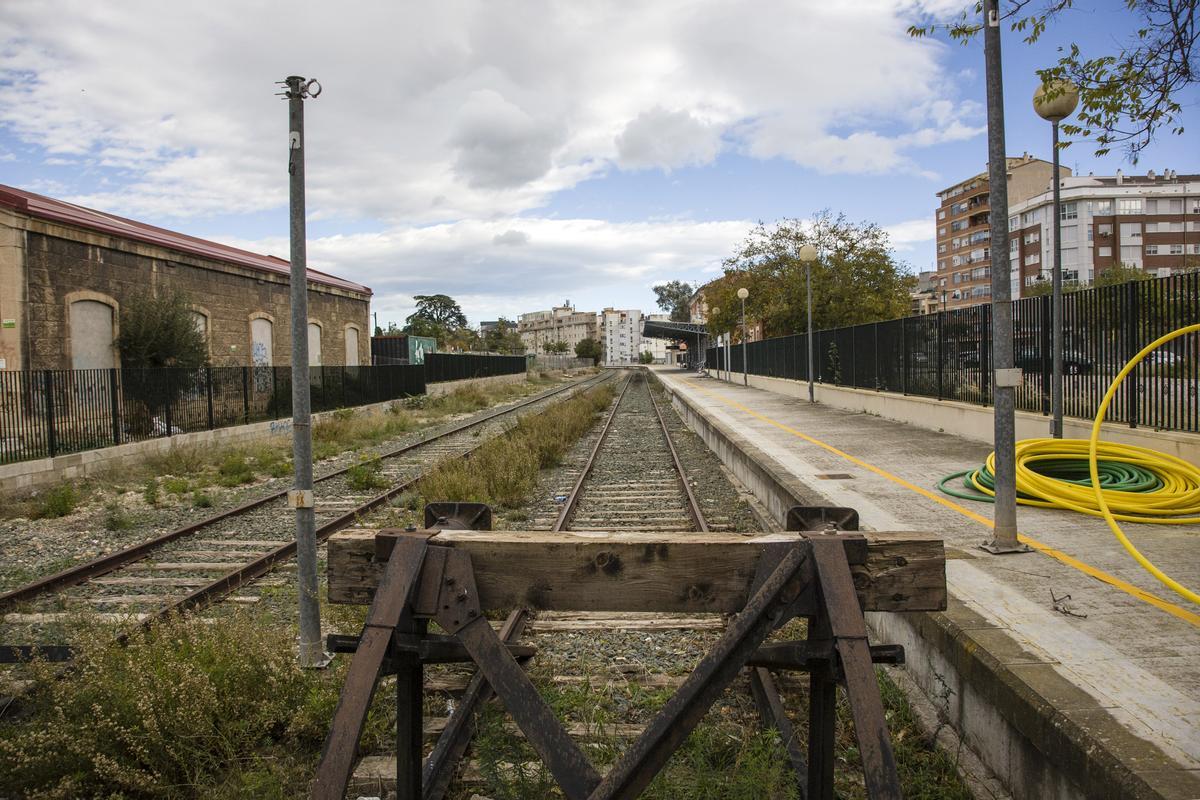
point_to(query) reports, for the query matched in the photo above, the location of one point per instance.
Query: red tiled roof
(48, 208)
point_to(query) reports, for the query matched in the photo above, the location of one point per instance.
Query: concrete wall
(1038, 734)
(27, 476)
(56, 264)
(975, 422)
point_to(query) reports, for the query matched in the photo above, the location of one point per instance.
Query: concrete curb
(1040, 735)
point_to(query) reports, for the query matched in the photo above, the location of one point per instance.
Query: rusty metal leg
(393, 595)
(822, 720)
(770, 708)
(566, 762)
(840, 604)
(409, 693)
(452, 744)
(668, 730)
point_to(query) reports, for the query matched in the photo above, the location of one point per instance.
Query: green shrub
(234, 470)
(150, 492)
(176, 486)
(116, 518)
(58, 501)
(201, 499)
(365, 475)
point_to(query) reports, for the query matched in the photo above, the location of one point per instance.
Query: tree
(161, 331)
(504, 338)
(437, 315)
(646, 357)
(1118, 274)
(1125, 96)
(556, 347)
(854, 280)
(157, 332)
(589, 348)
(675, 296)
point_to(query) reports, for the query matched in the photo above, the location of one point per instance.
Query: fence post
(114, 405)
(1045, 348)
(245, 395)
(1133, 381)
(209, 393)
(941, 347)
(51, 436)
(167, 404)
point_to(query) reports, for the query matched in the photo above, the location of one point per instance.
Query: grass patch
(235, 470)
(150, 492)
(201, 499)
(58, 501)
(365, 475)
(503, 471)
(176, 486)
(116, 518)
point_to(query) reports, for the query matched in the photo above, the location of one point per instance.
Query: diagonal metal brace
(679, 717)
(396, 589)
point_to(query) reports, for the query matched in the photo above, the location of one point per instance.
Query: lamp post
(743, 293)
(808, 254)
(1055, 102)
(714, 312)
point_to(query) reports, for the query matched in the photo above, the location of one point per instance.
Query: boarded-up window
(314, 344)
(91, 335)
(351, 347)
(261, 343)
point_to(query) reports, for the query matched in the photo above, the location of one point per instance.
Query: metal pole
(808, 291)
(745, 354)
(301, 497)
(1005, 377)
(1056, 307)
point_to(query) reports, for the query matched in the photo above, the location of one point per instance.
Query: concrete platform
(1069, 670)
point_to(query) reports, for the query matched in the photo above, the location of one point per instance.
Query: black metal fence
(947, 355)
(441, 367)
(51, 412)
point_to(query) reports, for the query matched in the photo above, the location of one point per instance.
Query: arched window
(262, 344)
(92, 332)
(314, 344)
(351, 346)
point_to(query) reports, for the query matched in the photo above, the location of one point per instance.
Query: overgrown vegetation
(365, 475)
(503, 472)
(58, 501)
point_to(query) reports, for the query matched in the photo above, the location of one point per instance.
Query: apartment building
(559, 324)
(1149, 221)
(621, 332)
(658, 347)
(964, 227)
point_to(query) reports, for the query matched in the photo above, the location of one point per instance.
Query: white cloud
(444, 111)
(904, 235)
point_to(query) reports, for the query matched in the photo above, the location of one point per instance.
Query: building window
(1013, 222)
(1165, 205)
(942, 214)
(1030, 238)
(351, 336)
(959, 225)
(1105, 252)
(1070, 233)
(1105, 229)
(1068, 211)
(1176, 249)
(1103, 207)
(1151, 249)
(1196, 249)
(92, 333)
(942, 231)
(1089, 233)
(1131, 230)
(262, 346)
(1131, 254)
(1014, 246)
(942, 247)
(1129, 205)
(1033, 258)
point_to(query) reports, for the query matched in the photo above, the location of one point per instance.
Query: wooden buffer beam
(761, 580)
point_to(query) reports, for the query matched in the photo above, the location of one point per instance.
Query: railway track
(210, 559)
(632, 480)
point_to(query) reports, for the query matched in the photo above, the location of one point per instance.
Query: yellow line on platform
(1045, 549)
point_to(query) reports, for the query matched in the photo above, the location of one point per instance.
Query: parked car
(1074, 362)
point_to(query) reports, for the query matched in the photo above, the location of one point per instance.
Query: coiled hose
(1102, 479)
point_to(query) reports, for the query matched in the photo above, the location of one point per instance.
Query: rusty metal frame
(423, 581)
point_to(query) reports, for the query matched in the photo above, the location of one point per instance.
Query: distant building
(559, 324)
(658, 347)
(622, 335)
(927, 297)
(1149, 221)
(964, 230)
(66, 271)
(488, 325)
(698, 305)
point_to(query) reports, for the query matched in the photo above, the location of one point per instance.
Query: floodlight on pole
(1055, 101)
(808, 254)
(743, 293)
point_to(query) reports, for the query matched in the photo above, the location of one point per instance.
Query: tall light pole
(312, 653)
(1005, 377)
(1055, 102)
(714, 311)
(808, 254)
(743, 293)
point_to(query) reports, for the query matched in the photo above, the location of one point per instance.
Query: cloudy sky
(515, 154)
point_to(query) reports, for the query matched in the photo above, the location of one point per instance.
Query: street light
(743, 293)
(808, 254)
(1055, 102)
(712, 313)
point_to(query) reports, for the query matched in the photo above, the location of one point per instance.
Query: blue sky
(517, 154)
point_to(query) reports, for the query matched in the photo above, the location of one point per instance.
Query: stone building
(65, 272)
(559, 324)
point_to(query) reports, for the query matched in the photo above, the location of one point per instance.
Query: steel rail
(568, 508)
(693, 504)
(112, 561)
